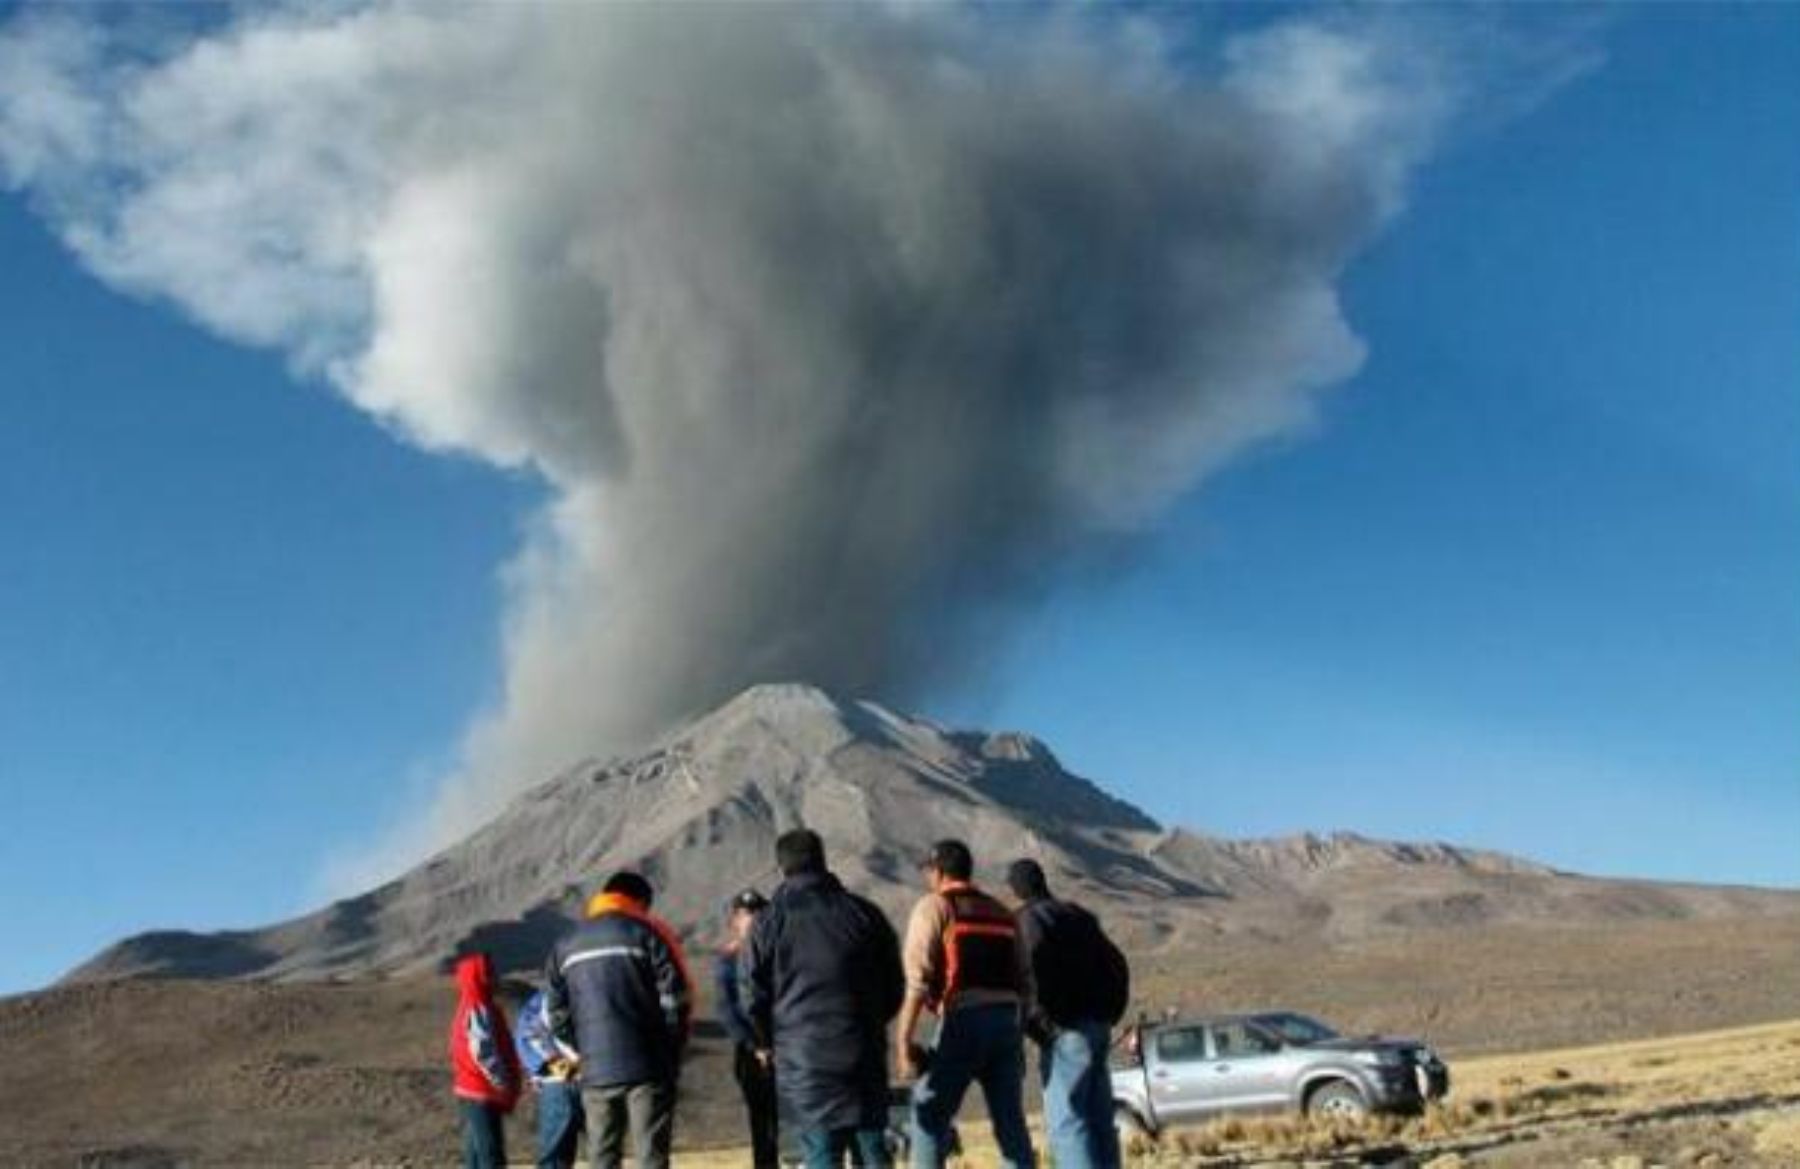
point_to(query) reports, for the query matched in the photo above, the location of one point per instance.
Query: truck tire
(1336, 1100)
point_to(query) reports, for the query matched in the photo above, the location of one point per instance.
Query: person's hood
(603, 903)
(475, 976)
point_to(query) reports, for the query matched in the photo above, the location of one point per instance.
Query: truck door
(1177, 1069)
(1246, 1071)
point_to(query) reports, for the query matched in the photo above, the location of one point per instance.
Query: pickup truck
(1187, 1071)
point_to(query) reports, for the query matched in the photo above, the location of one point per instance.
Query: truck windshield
(1295, 1029)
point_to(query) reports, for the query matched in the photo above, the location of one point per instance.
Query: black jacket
(617, 988)
(822, 979)
(1081, 976)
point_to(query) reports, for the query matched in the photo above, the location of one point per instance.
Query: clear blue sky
(1533, 584)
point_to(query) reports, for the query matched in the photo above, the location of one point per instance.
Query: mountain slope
(699, 814)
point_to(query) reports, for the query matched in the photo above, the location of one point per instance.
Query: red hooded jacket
(481, 1047)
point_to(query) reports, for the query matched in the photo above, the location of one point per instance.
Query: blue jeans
(484, 1140)
(1078, 1104)
(983, 1045)
(825, 1148)
(559, 1122)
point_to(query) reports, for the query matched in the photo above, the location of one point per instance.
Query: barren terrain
(159, 1073)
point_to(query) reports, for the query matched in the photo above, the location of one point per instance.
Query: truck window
(1237, 1040)
(1181, 1045)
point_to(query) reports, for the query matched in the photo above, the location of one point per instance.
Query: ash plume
(836, 333)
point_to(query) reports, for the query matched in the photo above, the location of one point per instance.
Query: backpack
(1111, 972)
(1093, 972)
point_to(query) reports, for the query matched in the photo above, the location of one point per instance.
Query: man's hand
(1040, 1029)
(910, 1061)
(907, 1064)
(765, 1058)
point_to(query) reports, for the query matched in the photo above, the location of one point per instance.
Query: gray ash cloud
(836, 333)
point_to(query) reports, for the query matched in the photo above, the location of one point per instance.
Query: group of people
(808, 986)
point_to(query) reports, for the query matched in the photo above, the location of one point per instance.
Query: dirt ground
(156, 1074)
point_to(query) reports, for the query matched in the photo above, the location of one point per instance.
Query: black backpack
(1092, 977)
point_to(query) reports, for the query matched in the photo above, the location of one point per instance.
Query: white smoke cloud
(835, 331)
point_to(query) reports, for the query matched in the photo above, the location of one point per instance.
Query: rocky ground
(157, 1073)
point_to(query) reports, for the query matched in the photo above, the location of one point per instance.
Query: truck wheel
(1336, 1100)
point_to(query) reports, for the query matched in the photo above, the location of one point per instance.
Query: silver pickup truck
(1187, 1071)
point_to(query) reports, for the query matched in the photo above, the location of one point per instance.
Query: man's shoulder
(872, 915)
(931, 911)
(1049, 914)
(1074, 910)
(863, 904)
(611, 928)
(834, 901)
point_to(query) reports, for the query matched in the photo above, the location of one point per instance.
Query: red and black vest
(981, 946)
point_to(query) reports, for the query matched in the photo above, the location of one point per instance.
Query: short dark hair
(800, 851)
(952, 859)
(630, 884)
(749, 901)
(1025, 877)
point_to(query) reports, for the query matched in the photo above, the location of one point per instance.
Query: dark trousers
(484, 1137)
(647, 1108)
(559, 1123)
(976, 1045)
(826, 1148)
(757, 1083)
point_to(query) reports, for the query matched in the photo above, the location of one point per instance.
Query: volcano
(699, 812)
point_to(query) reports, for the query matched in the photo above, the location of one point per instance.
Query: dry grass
(1714, 1099)
(1704, 1101)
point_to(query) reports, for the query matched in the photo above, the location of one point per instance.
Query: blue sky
(1532, 583)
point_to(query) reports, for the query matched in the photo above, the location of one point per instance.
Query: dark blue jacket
(822, 979)
(617, 988)
(730, 1000)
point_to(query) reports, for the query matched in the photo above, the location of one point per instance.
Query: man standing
(552, 1066)
(822, 972)
(964, 961)
(1083, 987)
(619, 991)
(750, 1065)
